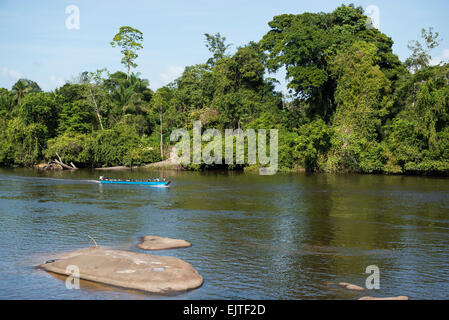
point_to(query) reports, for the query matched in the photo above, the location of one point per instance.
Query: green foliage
(132, 95)
(216, 45)
(26, 141)
(76, 117)
(82, 122)
(417, 137)
(70, 93)
(121, 145)
(312, 144)
(305, 45)
(22, 87)
(6, 147)
(404, 144)
(362, 97)
(420, 57)
(287, 149)
(241, 92)
(40, 108)
(71, 147)
(129, 40)
(353, 106)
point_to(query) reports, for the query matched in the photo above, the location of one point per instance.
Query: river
(288, 236)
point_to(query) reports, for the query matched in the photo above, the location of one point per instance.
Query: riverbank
(166, 165)
(253, 169)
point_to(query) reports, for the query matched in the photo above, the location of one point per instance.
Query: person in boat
(101, 178)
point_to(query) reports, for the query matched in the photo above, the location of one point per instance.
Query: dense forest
(352, 106)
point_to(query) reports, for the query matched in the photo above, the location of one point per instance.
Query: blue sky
(36, 44)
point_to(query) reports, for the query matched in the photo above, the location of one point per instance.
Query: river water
(254, 237)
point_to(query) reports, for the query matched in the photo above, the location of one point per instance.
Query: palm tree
(22, 87)
(129, 94)
(124, 97)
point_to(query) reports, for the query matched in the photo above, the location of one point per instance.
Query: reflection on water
(254, 237)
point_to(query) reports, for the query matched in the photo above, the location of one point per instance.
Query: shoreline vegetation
(352, 106)
(252, 169)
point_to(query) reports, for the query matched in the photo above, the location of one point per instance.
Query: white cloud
(52, 83)
(10, 74)
(171, 74)
(56, 81)
(444, 57)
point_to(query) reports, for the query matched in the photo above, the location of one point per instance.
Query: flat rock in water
(351, 286)
(161, 243)
(131, 270)
(388, 298)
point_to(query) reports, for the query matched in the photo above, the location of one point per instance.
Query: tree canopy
(130, 41)
(353, 106)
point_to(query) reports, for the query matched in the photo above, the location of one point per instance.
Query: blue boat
(153, 183)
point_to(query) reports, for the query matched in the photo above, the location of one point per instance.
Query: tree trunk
(162, 151)
(96, 108)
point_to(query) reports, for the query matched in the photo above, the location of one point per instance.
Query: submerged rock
(131, 270)
(161, 243)
(388, 298)
(351, 286)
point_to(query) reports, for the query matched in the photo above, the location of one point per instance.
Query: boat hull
(138, 183)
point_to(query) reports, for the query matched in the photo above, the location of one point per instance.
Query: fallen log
(63, 165)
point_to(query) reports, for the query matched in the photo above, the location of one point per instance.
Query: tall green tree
(305, 44)
(130, 41)
(160, 104)
(420, 57)
(40, 108)
(96, 94)
(217, 46)
(241, 92)
(362, 96)
(416, 137)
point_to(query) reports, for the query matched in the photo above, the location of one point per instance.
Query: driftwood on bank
(62, 164)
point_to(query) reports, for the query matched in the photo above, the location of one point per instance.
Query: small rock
(351, 286)
(129, 270)
(388, 298)
(161, 243)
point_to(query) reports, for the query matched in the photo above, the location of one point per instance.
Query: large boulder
(131, 270)
(161, 243)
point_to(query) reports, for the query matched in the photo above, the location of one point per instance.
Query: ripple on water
(280, 237)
